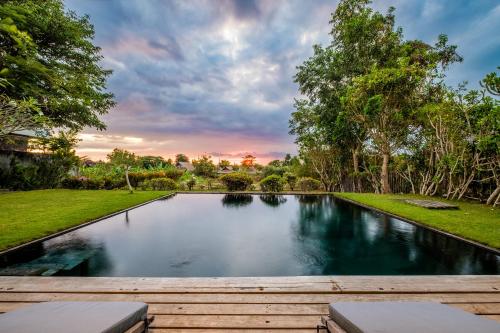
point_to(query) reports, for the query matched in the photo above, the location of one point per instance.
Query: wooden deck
(276, 304)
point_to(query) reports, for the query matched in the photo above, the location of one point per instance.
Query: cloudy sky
(216, 76)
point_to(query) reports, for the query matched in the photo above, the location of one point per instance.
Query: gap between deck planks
(292, 304)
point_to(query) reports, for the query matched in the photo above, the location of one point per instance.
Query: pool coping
(65, 231)
(419, 224)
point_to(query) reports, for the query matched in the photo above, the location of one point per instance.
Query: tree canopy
(378, 102)
(47, 58)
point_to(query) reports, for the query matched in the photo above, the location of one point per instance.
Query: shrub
(273, 170)
(309, 184)
(174, 174)
(191, 183)
(290, 179)
(92, 184)
(204, 167)
(110, 183)
(236, 181)
(139, 177)
(162, 184)
(73, 183)
(272, 183)
(79, 183)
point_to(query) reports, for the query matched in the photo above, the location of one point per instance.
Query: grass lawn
(474, 221)
(25, 216)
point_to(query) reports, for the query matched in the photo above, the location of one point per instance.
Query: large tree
(123, 159)
(47, 56)
(361, 38)
(362, 89)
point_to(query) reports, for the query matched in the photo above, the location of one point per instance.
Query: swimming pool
(250, 235)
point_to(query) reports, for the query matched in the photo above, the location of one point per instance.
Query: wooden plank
(333, 327)
(365, 284)
(262, 309)
(418, 284)
(214, 309)
(166, 285)
(137, 328)
(250, 298)
(6, 307)
(224, 330)
(239, 309)
(235, 321)
(480, 308)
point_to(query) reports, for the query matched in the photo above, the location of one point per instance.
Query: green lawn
(474, 221)
(26, 216)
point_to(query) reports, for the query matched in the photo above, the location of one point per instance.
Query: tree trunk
(128, 181)
(355, 162)
(384, 174)
(491, 198)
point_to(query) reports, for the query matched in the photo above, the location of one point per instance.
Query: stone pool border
(65, 231)
(419, 224)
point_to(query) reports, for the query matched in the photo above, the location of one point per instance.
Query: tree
(491, 83)
(362, 89)
(51, 59)
(191, 183)
(272, 183)
(20, 115)
(248, 161)
(224, 164)
(181, 158)
(204, 166)
(290, 179)
(125, 160)
(150, 162)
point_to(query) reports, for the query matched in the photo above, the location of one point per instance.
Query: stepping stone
(431, 204)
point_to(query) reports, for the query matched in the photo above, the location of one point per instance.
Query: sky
(216, 76)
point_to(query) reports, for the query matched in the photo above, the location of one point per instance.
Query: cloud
(217, 76)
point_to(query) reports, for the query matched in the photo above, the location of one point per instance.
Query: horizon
(216, 78)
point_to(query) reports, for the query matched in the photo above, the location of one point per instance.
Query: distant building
(250, 170)
(88, 163)
(225, 169)
(184, 166)
(17, 141)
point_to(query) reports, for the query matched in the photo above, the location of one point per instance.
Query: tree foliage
(375, 103)
(47, 58)
(123, 159)
(204, 166)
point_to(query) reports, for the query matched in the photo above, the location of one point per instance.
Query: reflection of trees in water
(64, 255)
(335, 237)
(272, 200)
(166, 198)
(310, 199)
(236, 200)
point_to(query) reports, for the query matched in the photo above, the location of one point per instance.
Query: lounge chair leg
(329, 325)
(142, 326)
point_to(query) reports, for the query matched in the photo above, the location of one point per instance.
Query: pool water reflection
(250, 235)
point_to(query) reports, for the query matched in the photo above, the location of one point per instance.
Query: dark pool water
(250, 235)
